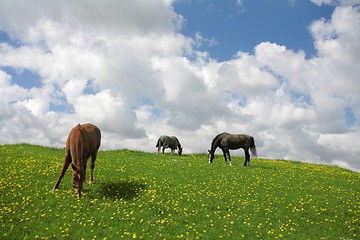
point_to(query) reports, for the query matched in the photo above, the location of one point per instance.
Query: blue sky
(285, 72)
(242, 27)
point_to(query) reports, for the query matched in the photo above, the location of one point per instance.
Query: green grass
(144, 195)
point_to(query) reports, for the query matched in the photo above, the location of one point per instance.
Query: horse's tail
(158, 143)
(253, 147)
(76, 148)
(80, 146)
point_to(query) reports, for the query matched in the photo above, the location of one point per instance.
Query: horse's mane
(216, 141)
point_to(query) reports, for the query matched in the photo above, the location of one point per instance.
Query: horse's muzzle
(77, 190)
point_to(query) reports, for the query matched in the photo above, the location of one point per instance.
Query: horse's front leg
(247, 158)
(228, 153)
(224, 153)
(66, 164)
(163, 150)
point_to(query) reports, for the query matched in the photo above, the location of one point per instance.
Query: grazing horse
(83, 142)
(168, 142)
(227, 142)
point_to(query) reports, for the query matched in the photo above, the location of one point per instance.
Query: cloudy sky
(286, 72)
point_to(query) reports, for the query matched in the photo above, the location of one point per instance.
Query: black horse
(227, 141)
(169, 142)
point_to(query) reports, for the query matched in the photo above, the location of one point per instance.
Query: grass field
(144, 195)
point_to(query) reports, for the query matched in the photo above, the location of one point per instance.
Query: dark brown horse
(227, 141)
(83, 142)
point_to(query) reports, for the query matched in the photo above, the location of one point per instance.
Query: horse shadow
(122, 190)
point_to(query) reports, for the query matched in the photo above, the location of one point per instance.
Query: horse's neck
(213, 148)
(215, 144)
(177, 142)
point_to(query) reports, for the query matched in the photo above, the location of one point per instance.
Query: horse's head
(180, 151)
(78, 178)
(211, 156)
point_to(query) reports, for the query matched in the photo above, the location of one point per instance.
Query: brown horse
(83, 142)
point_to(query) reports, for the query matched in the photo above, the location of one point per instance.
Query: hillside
(144, 195)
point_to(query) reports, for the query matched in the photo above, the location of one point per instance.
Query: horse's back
(235, 141)
(93, 131)
(169, 141)
(222, 135)
(87, 136)
(93, 135)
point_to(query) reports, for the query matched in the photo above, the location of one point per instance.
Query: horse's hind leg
(247, 157)
(66, 164)
(92, 166)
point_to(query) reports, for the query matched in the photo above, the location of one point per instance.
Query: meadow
(144, 195)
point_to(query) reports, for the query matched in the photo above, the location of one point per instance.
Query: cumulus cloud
(125, 66)
(336, 2)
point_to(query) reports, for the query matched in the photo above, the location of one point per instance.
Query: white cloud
(108, 17)
(338, 44)
(336, 2)
(125, 67)
(111, 113)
